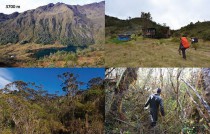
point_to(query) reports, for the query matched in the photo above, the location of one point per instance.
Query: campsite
(140, 41)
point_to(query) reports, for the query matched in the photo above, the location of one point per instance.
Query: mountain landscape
(66, 25)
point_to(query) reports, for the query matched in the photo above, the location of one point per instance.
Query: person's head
(158, 90)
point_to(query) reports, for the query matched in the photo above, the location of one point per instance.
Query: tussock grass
(91, 56)
(155, 53)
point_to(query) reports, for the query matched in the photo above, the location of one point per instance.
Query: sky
(175, 13)
(32, 4)
(47, 77)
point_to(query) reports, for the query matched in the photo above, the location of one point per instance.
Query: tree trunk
(203, 102)
(86, 123)
(128, 77)
(206, 83)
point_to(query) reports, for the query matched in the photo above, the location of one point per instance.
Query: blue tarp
(124, 37)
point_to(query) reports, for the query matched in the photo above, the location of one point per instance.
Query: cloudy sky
(32, 4)
(6, 77)
(175, 13)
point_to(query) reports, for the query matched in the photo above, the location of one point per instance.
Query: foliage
(31, 109)
(44, 38)
(184, 111)
(199, 30)
(146, 15)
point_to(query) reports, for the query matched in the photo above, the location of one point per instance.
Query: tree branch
(205, 104)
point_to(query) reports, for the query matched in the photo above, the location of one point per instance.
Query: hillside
(115, 26)
(199, 30)
(70, 25)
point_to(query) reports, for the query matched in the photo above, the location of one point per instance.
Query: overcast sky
(32, 4)
(175, 13)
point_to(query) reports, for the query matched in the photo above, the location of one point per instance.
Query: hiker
(184, 44)
(194, 41)
(154, 101)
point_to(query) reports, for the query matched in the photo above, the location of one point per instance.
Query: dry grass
(154, 53)
(23, 56)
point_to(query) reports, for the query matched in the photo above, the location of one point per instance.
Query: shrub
(8, 37)
(44, 38)
(206, 36)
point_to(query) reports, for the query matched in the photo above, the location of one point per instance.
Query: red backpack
(185, 42)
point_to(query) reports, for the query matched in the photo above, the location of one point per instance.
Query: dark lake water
(46, 52)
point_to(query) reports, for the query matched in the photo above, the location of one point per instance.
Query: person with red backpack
(184, 44)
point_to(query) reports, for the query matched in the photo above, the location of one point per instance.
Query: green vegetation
(79, 26)
(182, 93)
(159, 51)
(8, 37)
(199, 30)
(31, 109)
(115, 26)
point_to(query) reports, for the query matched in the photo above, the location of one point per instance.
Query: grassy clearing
(23, 56)
(155, 53)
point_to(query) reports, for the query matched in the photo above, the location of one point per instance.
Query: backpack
(185, 42)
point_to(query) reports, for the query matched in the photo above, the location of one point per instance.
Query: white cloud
(32, 4)
(5, 77)
(175, 13)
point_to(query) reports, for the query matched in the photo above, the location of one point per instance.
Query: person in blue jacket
(155, 101)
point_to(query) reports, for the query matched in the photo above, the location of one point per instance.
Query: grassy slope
(154, 53)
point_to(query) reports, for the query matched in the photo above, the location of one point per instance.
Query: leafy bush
(92, 94)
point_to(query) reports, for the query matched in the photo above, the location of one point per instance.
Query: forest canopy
(28, 108)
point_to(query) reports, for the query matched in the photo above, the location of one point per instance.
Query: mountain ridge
(67, 24)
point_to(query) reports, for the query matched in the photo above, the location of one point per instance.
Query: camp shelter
(149, 32)
(159, 32)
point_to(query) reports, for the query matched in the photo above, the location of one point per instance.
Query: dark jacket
(155, 101)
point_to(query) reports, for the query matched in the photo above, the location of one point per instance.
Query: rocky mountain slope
(71, 25)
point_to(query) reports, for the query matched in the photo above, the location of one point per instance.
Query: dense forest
(26, 108)
(185, 95)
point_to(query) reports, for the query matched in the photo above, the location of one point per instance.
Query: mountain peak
(67, 24)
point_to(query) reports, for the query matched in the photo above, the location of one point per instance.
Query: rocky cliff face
(71, 25)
